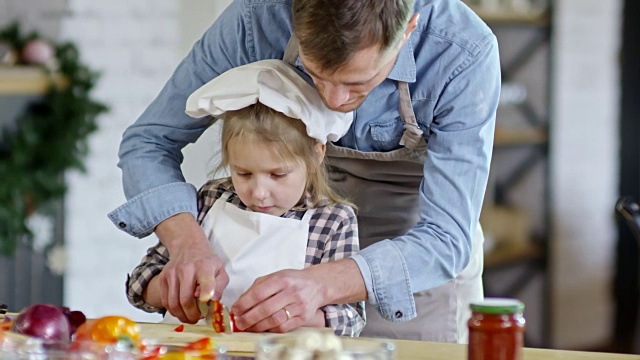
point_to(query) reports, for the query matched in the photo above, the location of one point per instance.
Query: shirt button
(122, 225)
(398, 314)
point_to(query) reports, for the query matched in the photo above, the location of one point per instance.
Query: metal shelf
(529, 138)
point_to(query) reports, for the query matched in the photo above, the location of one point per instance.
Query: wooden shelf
(514, 18)
(503, 255)
(27, 80)
(513, 137)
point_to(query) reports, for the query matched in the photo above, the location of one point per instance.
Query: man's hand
(193, 270)
(288, 299)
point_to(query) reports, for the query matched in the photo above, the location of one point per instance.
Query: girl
(276, 211)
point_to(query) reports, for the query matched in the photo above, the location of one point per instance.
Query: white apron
(394, 177)
(252, 245)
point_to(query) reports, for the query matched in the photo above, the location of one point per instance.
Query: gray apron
(385, 186)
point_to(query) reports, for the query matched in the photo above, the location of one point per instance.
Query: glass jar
(310, 344)
(496, 329)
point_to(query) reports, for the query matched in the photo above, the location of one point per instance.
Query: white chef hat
(277, 85)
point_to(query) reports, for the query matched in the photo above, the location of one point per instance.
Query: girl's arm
(344, 319)
(143, 288)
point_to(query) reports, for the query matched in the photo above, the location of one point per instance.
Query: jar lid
(497, 306)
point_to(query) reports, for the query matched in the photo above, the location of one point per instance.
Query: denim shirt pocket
(386, 135)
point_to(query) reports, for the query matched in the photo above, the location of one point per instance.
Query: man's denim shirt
(452, 66)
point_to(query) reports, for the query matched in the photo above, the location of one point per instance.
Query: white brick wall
(584, 161)
(43, 16)
(135, 46)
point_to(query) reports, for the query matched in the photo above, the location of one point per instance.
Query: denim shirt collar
(404, 68)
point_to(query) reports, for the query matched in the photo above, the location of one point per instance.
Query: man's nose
(335, 96)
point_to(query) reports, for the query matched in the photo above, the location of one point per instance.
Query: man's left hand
(289, 299)
(281, 302)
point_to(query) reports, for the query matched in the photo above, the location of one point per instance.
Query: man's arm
(150, 151)
(456, 171)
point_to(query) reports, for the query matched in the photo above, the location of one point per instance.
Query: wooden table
(244, 344)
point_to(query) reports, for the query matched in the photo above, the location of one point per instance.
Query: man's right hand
(193, 270)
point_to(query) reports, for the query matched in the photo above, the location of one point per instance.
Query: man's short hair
(330, 31)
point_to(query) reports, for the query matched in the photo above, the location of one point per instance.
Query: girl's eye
(278, 176)
(243, 174)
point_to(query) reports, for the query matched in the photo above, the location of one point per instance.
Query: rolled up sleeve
(389, 287)
(140, 215)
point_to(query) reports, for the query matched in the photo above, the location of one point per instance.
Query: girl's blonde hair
(289, 137)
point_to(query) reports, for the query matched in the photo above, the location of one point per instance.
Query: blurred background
(565, 151)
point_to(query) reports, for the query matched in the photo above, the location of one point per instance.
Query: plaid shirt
(333, 235)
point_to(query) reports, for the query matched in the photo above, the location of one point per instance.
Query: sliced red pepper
(233, 323)
(151, 352)
(218, 317)
(202, 344)
(179, 328)
(152, 356)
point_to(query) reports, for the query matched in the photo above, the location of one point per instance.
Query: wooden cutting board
(165, 334)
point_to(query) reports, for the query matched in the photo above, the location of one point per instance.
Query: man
(423, 81)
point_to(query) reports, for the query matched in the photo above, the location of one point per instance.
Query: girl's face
(263, 180)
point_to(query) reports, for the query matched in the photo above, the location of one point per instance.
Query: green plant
(50, 138)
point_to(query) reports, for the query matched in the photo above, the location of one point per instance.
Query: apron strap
(412, 133)
(308, 214)
(225, 196)
(291, 52)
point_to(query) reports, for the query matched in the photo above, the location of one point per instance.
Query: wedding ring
(288, 314)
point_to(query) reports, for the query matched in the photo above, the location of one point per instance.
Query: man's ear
(320, 151)
(411, 25)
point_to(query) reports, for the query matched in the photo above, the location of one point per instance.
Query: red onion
(43, 321)
(76, 318)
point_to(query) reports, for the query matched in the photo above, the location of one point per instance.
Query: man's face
(346, 88)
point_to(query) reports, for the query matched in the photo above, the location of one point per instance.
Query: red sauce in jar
(496, 330)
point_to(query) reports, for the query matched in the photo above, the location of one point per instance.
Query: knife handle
(630, 211)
